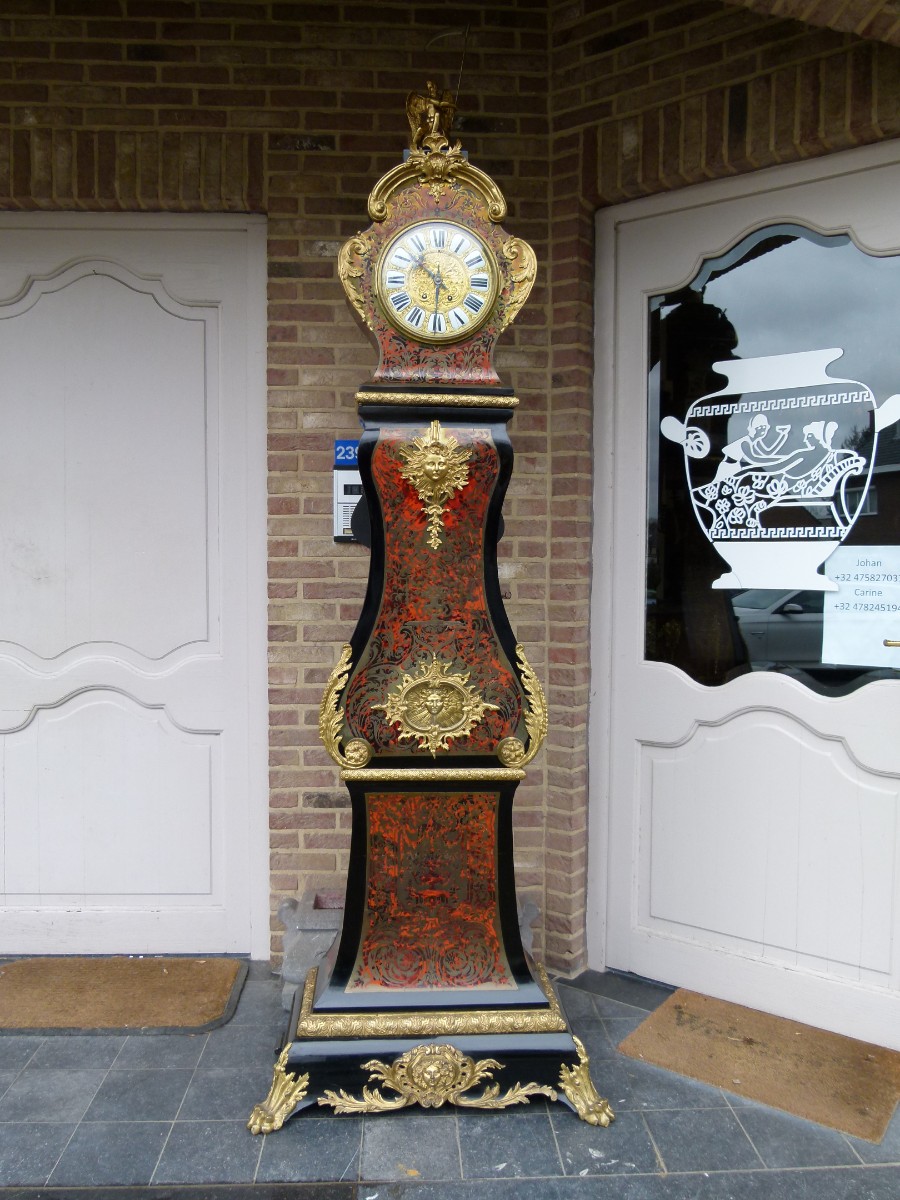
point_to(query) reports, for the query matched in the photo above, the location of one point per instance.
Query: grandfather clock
(432, 712)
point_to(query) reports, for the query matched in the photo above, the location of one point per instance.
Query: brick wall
(869, 18)
(295, 110)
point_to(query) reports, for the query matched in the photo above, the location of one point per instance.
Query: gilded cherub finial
(430, 118)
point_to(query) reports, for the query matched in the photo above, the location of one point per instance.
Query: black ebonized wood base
(489, 1070)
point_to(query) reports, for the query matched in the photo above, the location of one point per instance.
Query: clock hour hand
(435, 277)
(423, 265)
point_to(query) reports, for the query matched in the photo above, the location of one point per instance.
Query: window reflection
(780, 627)
(776, 463)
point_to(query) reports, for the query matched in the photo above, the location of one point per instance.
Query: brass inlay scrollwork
(285, 1094)
(434, 774)
(433, 1075)
(434, 1023)
(511, 751)
(437, 466)
(454, 399)
(309, 994)
(434, 706)
(357, 752)
(576, 1085)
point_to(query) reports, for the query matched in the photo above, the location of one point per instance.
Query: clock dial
(437, 281)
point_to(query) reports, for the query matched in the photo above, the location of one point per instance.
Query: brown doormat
(118, 995)
(824, 1077)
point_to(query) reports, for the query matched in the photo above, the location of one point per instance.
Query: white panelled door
(745, 831)
(132, 584)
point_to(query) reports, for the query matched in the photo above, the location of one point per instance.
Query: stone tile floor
(164, 1117)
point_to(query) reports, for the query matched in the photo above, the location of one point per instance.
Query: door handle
(890, 642)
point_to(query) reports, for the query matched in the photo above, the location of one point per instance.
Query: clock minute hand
(438, 284)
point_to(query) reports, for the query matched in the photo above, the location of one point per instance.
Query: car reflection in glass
(781, 627)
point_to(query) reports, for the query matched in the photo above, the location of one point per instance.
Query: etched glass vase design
(774, 466)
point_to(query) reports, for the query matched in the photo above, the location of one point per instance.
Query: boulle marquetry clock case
(432, 712)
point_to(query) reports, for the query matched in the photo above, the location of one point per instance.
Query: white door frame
(603, 616)
(254, 230)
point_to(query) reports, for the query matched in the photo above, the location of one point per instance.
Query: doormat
(120, 994)
(836, 1081)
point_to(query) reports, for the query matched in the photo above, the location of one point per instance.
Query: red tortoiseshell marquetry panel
(431, 918)
(433, 601)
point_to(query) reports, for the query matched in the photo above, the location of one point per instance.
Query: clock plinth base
(483, 1068)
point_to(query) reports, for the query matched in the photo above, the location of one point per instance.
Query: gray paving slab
(650, 1087)
(625, 1148)
(403, 1146)
(782, 1140)
(111, 1152)
(17, 1050)
(706, 1140)
(43, 1095)
(160, 1051)
(577, 1003)
(494, 1148)
(65, 1051)
(209, 1152)
(313, 1149)
(240, 1046)
(139, 1096)
(833, 1184)
(225, 1093)
(259, 1004)
(595, 1039)
(28, 1152)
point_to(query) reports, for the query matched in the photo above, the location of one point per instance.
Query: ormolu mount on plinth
(432, 711)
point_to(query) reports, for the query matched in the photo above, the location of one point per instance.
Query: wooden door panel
(132, 683)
